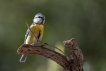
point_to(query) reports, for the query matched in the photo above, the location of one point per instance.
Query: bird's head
(39, 19)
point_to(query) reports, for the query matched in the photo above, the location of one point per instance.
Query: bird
(37, 27)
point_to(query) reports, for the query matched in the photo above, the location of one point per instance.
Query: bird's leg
(35, 43)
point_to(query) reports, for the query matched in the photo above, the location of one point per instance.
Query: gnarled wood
(77, 56)
(73, 64)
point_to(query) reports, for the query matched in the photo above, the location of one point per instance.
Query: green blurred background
(84, 20)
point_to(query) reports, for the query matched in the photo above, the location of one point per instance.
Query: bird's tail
(23, 58)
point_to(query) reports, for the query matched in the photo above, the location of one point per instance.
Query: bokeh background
(84, 20)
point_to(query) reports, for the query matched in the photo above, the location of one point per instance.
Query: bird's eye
(39, 17)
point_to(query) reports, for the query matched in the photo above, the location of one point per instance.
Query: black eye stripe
(39, 17)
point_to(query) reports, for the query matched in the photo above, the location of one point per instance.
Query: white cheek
(37, 20)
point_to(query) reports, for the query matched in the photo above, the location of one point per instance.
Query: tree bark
(69, 64)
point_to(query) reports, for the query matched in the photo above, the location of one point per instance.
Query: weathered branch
(75, 64)
(77, 56)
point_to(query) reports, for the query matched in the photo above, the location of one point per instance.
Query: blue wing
(26, 35)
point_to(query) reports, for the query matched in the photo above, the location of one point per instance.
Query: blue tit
(37, 27)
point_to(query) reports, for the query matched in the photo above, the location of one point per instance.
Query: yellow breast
(37, 28)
